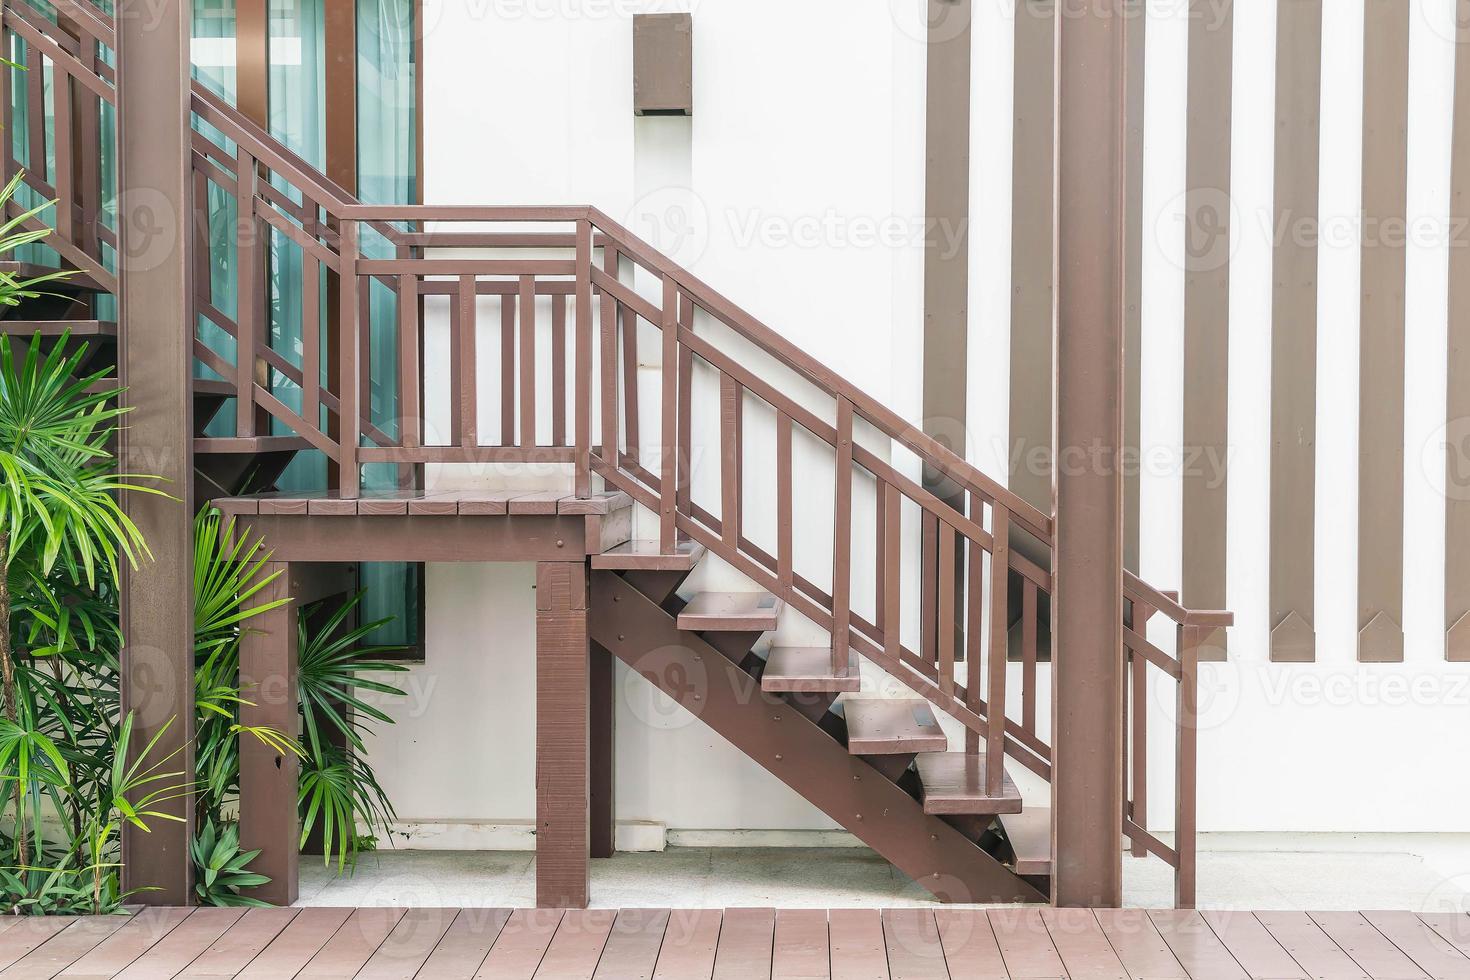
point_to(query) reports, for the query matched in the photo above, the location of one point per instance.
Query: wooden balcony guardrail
(414, 286)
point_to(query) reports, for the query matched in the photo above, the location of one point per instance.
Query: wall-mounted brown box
(663, 65)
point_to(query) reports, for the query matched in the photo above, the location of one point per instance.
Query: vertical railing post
(995, 693)
(349, 365)
(1138, 710)
(583, 396)
(669, 456)
(248, 301)
(1186, 736)
(842, 541)
(607, 308)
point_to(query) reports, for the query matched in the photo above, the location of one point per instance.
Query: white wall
(797, 191)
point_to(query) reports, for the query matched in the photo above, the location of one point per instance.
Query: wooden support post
(154, 362)
(563, 701)
(268, 779)
(1087, 603)
(603, 759)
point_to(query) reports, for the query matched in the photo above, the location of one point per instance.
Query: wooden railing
(564, 391)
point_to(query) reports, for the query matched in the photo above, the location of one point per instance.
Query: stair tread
(883, 726)
(649, 556)
(807, 670)
(954, 783)
(77, 282)
(1030, 835)
(250, 444)
(55, 328)
(214, 386)
(736, 612)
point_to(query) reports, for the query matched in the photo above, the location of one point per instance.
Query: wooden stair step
(235, 445)
(649, 556)
(80, 329)
(884, 726)
(954, 784)
(77, 282)
(807, 670)
(1030, 835)
(731, 612)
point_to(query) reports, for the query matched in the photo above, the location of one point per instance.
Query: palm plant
(338, 790)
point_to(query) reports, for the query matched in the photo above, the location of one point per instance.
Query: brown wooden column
(1087, 608)
(563, 702)
(603, 761)
(1207, 313)
(1457, 426)
(154, 366)
(1294, 333)
(1381, 332)
(1133, 283)
(268, 812)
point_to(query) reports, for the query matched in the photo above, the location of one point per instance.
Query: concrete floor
(1255, 871)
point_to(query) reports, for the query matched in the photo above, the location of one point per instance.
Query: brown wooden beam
(252, 61)
(268, 667)
(421, 539)
(563, 702)
(1087, 607)
(604, 754)
(155, 361)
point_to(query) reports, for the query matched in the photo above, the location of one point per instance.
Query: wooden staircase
(569, 291)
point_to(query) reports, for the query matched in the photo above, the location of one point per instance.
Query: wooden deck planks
(466, 944)
(1430, 951)
(744, 951)
(970, 949)
(800, 949)
(1252, 946)
(633, 945)
(1312, 948)
(521, 945)
(689, 945)
(1012, 943)
(855, 944)
(1138, 944)
(64, 948)
(915, 951)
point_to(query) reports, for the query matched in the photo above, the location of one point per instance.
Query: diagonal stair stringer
(787, 744)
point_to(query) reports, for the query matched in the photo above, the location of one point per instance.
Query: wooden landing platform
(444, 944)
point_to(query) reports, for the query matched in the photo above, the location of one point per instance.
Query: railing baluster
(1138, 739)
(457, 373)
(686, 408)
(928, 586)
(36, 112)
(410, 431)
(944, 610)
(784, 557)
(507, 370)
(583, 407)
(559, 372)
(349, 365)
(528, 361)
(608, 310)
(669, 436)
(249, 281)
(1186, 745)
(974, 623)
(469, 405)
(842, 541)
(629, 320)
(730, 460)
(311, 340)
(65, 187)
(995, 694)
(1028, 655)
(890, 506)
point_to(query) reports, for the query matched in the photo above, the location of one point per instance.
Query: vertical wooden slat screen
(1381, 332)
(1207, 310)
(1294, 332)
(1032, 156)
(1457, 428)
(1135, 25)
